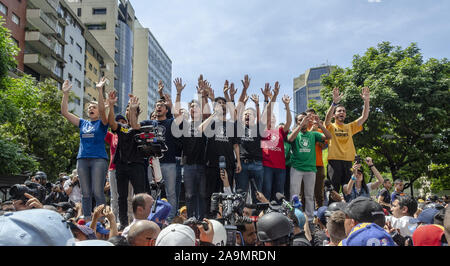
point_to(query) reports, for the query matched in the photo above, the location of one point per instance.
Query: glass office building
(123, 69)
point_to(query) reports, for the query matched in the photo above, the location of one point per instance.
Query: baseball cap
(368, 234)
(100, 229)
(364, 210)
(335, 206)
(426, 216)
(428, 235)
(176, 235)
(35, 227)
(162, 211)
(118, 117)
(85, 230)
(321, 214)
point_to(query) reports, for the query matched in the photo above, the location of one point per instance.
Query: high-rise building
(111, 22)
(14, 15)
(151, 64)
(308, 85)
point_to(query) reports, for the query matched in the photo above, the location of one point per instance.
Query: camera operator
(27, 196)
(72, 188)
(41, 178)
(56, 195)
(275, 229)
(130, 162)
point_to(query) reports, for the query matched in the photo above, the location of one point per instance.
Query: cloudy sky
(278, 40)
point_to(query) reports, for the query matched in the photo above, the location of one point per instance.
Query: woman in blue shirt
(92, 160)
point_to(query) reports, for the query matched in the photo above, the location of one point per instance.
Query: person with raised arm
(92, 160)
(272, 145)
(341, 150)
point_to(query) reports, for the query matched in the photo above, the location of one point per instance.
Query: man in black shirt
(130, 163)
(384, 199)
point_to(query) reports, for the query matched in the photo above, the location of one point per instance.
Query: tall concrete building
(308, 85)
(151, 64)
(111, 22)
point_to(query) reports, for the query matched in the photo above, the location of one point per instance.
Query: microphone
(284, 203)
(297, 202)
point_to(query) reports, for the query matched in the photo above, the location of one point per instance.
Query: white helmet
(220, 234)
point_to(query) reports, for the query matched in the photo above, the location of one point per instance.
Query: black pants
(134, 173)
(339, 173)
(214, 184)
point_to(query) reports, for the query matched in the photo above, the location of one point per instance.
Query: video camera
(150, 141)
(232, 207)
(17, 192)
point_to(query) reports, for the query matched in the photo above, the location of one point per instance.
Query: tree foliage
(408, 127)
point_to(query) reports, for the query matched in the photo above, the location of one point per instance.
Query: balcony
(40, 42)
(41, 64)
(41, 21)
(48, 6)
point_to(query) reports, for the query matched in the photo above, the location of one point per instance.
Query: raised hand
(112, 98)
(337, 96)
(101, 83)
(255, 98)
(178, 82)
(369, 161)
(66, 86)
(209, 90)
(267, 91)
(246, 82)
(134, 102)
(160, 88)
(286, 99)
(233, 91)
(365, 94)
(276, 88)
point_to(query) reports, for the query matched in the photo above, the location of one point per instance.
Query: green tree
(408, 127)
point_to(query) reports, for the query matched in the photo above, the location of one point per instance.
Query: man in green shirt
(303, 158)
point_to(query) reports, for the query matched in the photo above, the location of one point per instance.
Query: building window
(71, 40)
(90, 66)
(15, 19)
(79, 48)
(95, 71)
(99, 11)
(96, 26)
(70, 77)
(78, 83)
(79, 12)
(78, 65)
(3, 9)
(70, 59)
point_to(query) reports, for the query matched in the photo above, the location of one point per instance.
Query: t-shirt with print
(303, 149)
(193, 143)
(250, 139)
(221, 138)
(341, 145)
(273, 148)
(111, 139)
(92, 139)
(127, 151)
(165, 129)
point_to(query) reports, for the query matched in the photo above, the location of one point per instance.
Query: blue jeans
(169, 174)
(273, 182)
(253, 170)
(92, 174)
(195, 187)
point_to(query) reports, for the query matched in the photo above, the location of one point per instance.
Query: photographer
(357, 185)
(72, 188)
(129, 161)
(27, 196)
(56, 195)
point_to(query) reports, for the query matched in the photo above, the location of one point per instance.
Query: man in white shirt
(403, 209)
(142, 206)
(72, 188)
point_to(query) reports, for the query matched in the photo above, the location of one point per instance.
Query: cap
(100, 229)
(87, 231)
(182, 209)
(118, 117)
(176, 235)
(368, 234)
(321, 214)
(35, 227)
(94, 242)
(162, 211)
(335, 206)
(426, 216)
(428, 235)
(220, 233)
(364, 210)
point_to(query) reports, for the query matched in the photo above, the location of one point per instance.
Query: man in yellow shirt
(341, 150)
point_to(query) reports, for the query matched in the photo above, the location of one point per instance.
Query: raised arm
(73, 119)
(365, 114)
(286, 100)
(255, 99)
(134, 104)
(112, 99)
(101, 104)
(160, 89)
(179, 86)
(242, 99)
(267, 97)
(297, 129)
(319, 124)
(336, 99)
(377, 174)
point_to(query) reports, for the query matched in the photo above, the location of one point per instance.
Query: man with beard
(341, 150)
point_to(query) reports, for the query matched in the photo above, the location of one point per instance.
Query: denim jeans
(92, 174)
(195, 187)
(253, 170)
(273, 182)
(169, 174)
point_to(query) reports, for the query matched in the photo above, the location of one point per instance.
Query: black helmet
(41, 175)
(273, 226)
(335, 206)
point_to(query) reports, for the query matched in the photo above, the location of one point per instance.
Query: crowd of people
(241, 171)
